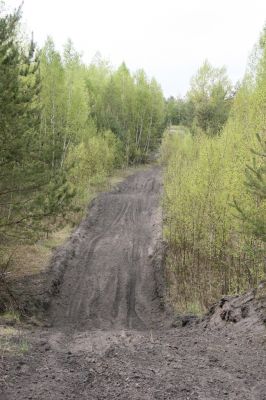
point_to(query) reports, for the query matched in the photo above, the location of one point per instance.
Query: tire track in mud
(80, 282)
(111, 282)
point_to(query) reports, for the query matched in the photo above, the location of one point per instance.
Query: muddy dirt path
(111, 337)
(112, 279)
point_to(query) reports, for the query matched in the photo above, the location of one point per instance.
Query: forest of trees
(215, 186)
(64, 126)
(206, 107)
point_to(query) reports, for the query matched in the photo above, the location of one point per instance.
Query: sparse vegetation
(12, 340)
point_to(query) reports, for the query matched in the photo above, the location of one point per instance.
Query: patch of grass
(30, 259)
(7, 331)
(7, 334)
(12, 341)
(27, 259)
(193, 308)
(56, 238)
(9, 316)
(23, 346)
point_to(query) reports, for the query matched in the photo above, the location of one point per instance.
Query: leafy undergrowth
(211, 251)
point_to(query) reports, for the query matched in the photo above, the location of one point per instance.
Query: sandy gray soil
(113, 278)
(111, 335)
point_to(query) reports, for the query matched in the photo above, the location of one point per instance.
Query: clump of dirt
(247, 311)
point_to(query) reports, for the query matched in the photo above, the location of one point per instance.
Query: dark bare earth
(112, 335)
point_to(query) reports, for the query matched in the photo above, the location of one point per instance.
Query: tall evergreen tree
(21, 170)
(255, 182)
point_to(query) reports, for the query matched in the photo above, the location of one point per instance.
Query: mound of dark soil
(247, 311)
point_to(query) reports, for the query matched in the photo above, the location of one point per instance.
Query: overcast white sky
(168, 38)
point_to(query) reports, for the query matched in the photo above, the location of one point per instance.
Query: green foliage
(92, 161)
(179, 112)
(210, 93)
(64, 127)
(206, 107)
(255, 219)
(22, 174)
(215, 249)
(131, 106)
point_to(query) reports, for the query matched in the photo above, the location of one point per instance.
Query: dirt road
(113, 279)
(111, 336)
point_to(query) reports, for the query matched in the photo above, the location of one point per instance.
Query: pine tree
(21, 169)
(255, 183)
